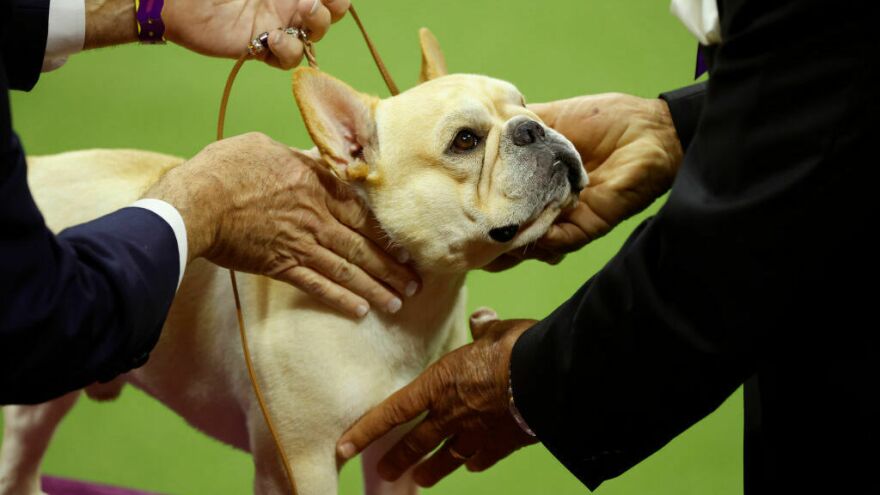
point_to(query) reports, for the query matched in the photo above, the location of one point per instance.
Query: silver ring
(259, 44)
(301, 34)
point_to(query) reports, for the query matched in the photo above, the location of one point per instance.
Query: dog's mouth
(518, 234)
(540, 219)
(504, 234)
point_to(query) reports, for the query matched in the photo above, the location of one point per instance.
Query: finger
(545, 111)
(486, 458)
(286, 50)
(541, 253)
(315, 18)
(350, 210)
(574, 230)
(360, 219)
(337, 8)
(481, 321)
(564, 237)
(362, 252)
(415, 445)
(443, 461)
(331, 294)
(503, 262)
(402, 406)
(354, 279)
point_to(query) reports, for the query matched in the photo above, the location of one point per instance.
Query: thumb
(481, 321)
(545, 111)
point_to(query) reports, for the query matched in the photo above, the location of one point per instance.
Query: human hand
(220, 29)
(631, 152)
(465, 394)
(252, 204)
(224, 29)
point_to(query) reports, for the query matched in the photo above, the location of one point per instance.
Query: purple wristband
(151, 29)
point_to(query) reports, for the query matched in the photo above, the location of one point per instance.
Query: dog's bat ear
(433, 61)
(340, 120)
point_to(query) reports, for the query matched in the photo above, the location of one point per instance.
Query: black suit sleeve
(22, 47)
(89, 303)
(686, 106)
(759, 256)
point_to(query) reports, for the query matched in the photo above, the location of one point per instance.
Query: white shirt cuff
(173, 218)
(66, 32)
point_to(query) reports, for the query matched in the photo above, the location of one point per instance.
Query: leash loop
(309, 52)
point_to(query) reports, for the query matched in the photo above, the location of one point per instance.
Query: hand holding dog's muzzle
(629, 147)
(465, 395)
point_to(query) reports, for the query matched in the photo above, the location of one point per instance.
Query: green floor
(165, 99)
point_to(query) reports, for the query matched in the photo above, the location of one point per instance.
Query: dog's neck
(438, 292)
(431, 307)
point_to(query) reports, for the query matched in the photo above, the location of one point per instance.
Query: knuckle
(356, 249)
(313, 285)
(394, 413)
(359, 214)
(412, 445)
(254, 136)
(343, 271)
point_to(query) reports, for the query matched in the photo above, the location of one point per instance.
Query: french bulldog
(457, 171)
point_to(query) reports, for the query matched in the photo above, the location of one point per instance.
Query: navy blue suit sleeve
(82, 306)
(24, 27)
(89, 303)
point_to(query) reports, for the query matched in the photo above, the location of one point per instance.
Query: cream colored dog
(457, 170)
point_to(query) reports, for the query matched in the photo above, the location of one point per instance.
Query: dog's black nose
(504, 234)
(527, 132)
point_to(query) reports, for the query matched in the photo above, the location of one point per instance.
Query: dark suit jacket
(761, 264)
(87, 304)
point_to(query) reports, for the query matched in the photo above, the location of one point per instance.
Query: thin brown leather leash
(221, 119)
(389, 82)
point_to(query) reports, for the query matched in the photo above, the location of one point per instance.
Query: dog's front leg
(26, 434)
(373, 484)
(313, 462)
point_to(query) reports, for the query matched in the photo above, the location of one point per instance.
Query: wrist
(109, 22)
(510, 340)
(666, 133)
(186, 193)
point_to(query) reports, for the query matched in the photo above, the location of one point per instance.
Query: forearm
(86, 305)
(109, 22)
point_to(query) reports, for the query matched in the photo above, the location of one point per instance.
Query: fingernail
(411, 288)
(483, 315)
(403, 256)
(315, 7)
(346, 450)
(362, 310)
(395, 305)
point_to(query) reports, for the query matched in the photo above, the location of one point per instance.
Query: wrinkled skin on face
(442, 203)
(457, 170)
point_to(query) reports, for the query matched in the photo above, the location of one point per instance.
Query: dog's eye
(465, 140)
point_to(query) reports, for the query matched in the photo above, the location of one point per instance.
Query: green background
(165, 99)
